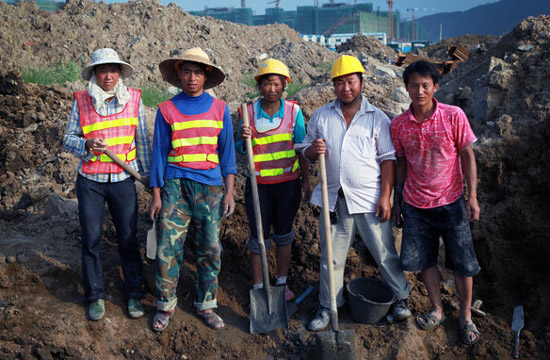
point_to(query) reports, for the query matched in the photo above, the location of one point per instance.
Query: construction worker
(275, 125)
(108, 116)
(193, 150)
(433, 142)
(360, 169)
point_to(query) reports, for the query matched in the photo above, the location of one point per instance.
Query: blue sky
(422, 7)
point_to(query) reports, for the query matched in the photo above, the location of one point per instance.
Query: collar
(366, 106)
(261, 113)
(185, 97)
(434, 114)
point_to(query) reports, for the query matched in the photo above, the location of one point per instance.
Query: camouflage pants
(184, 202)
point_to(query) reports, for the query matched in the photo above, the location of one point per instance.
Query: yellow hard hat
(272, 66)
(346, 64)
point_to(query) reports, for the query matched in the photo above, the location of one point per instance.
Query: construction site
(327, 19)
(499, 82)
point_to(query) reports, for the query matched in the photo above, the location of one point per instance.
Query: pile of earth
(42, 307)
(504, 92)
(144, 33)
(475, 43)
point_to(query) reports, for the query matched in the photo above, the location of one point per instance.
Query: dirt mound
(505, 94)
(144, 33)
(475, 43)
(368, 45)
(42, 308)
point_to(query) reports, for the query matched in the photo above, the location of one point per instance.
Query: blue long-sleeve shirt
(162, 144)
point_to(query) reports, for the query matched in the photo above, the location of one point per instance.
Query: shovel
(152, 241)
(267, 305)
(292, 307)
(333, 344)
(517, 325)
(126, 167)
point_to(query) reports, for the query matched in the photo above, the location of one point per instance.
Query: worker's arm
(469, 168)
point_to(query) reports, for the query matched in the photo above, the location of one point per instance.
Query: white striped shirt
(354, 155)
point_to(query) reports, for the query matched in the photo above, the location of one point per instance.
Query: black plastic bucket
(370, 299)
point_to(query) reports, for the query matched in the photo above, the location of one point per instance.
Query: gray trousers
(378, 238)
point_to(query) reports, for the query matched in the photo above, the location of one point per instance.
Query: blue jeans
(121, 198)
(422, 229)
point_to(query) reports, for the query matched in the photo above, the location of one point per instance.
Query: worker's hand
(396, 216)
(97, 145)
(383, 209)
(228, 205)
(307, 190)
(246, 131)
(472, 208)
(317, 147)
(156, 204)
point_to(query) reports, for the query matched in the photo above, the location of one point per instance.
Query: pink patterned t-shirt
(434, 172)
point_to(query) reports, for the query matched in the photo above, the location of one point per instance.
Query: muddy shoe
(213, 320)
(96, 310)
(321, 320)
(135, 308)
(401, 310)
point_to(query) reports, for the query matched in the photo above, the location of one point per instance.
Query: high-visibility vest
(118, 130)
(194, 137)
(274, 155)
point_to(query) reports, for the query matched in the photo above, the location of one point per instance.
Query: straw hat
(214, 74)
(107, 56)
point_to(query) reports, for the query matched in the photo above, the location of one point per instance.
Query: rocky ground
(502, 88)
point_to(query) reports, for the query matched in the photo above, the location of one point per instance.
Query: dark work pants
(121, 198)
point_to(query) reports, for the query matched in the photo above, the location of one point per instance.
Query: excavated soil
(502, 88)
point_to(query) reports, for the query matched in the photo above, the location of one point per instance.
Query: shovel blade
(152, 242)
(336, 345)
(267, 315)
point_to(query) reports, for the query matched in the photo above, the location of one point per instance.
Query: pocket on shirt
(363, 146)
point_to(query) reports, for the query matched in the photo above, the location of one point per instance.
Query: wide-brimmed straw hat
(214, 74)
(107, 56)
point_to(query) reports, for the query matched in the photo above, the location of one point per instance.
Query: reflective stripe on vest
(278, 171)
(274, 155)
(194, 137)
(118, 130)
(131, 156)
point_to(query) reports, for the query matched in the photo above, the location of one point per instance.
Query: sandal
(467, 330)
(162, 318)
(429, 321)
(213, 320)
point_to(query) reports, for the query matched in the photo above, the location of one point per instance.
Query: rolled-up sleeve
(384, 144)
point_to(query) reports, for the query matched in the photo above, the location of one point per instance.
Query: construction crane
(276, 2)
(413, 30)
(390, 19)
(413, 24)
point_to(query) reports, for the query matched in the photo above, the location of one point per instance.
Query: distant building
(326, 20)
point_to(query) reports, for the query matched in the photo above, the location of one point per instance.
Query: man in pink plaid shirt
(433, 144)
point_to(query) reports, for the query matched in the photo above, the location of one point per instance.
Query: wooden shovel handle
(125, 166)
(328, 241)
(256, 201)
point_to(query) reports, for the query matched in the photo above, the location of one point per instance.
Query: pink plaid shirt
(431, 147)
